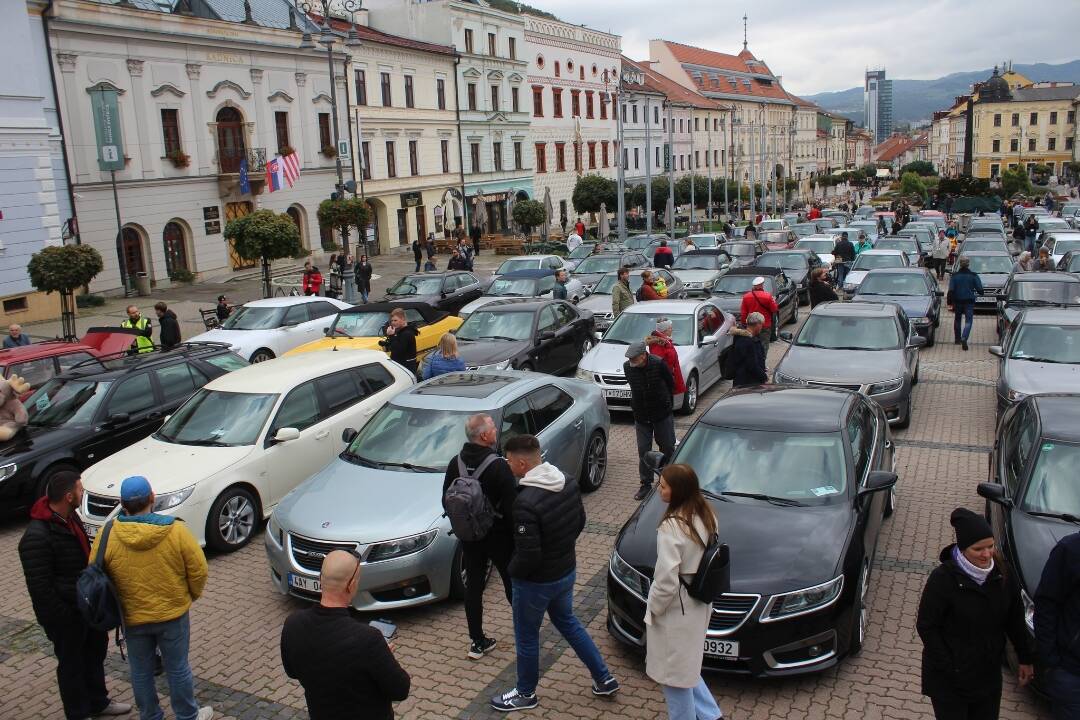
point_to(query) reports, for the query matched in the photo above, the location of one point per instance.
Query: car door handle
(322, 435)
(156, 415)
(579, 423)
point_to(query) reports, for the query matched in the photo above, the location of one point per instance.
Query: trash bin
(142, 284)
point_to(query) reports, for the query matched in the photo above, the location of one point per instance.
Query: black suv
(99, 407)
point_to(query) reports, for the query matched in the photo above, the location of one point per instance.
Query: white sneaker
(114, 708)
(206, 713)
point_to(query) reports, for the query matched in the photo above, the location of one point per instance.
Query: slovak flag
(275, 175)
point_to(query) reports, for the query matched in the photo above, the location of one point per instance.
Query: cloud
(828, 44)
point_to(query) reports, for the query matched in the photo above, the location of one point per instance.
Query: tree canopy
(592, 190)
(528, 213)
(64, 268)
(264, 235)
(1015, 181)
(919, 167)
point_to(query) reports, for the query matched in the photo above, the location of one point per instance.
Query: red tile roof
(717, 64)
(713, 59)
(675, 92)
(373, 35)
(892, 147)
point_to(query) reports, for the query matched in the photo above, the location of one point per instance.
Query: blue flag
(245, 186)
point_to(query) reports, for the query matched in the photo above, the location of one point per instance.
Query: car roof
(529, 273)
(1056, 276)
(755, 270)
(1051, 316)
(285, 301)
(862, 309)
(676, 307)
(1059, 415)
(881, 251)
(436, 273)
(705, 251)
(471, 391)
(819, 236)
(284, 373)
(531, 257)
(115, 365)
(42, 349)
(986, 253)
(909, 270)
(1070, 234)
(780, 407)
(515, 305)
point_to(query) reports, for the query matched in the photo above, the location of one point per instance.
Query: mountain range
(915, 101)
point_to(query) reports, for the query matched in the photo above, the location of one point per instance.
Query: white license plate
(304, 583)
(617, 394)
(986, 298)
(722, 649)
(91, 530)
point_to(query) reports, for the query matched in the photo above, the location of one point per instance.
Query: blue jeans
(172, 639)
(531, 601)
(963, 309)
(1063, 687)
(841, 273)
(696, 703)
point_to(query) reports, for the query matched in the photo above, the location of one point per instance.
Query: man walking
(170, 327)
(53, 551)
(417, 253)
(559, 291)
(143, 341)
(478, 459)
(621, 297)
(548, 517)
(16, 337)
(651, 389)
(145, 546)
(1057, 627)
(346, 667)
(573, 240)
(844, 252)
(474, 235)
(400, 340)
(748, 355)
(760, 300)
(964, 287)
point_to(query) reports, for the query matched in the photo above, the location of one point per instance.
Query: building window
(470, 91)
(994, 169)
(518, 164)
(409, 98)
(384, 82)
(513, 48)
(391, 161)
(538, 101)
(656, 150)
(655, 115)
(1068, 143)
(581, 72)
(514, 105)
(556, 102)
(496, 155)
(361, 87)
(557, 73)
(577, 156)
(603, 108)
(633, 113)
(281, 129)
(474, 156)
(715, 158)
(170, 130)
(716, 124)
(414, 160)
(1034, 119)
(324, 131)
(1070, 117)
(541, 158)
(604, 154)
(996, 146)
(697, 159)
(494, 97)
(588, 104)
(696, 124)
(575, 103)
(365, 160)
(1014, 145)
(493, 45)
(1031, 144)
(468, 41)
(1053, 117)
(444, 153)
(637, 157)
(15, 304)
(592, 154)
(1051, 143)
(1016, 119)
(560, 157)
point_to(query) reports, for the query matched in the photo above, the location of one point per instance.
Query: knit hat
(135, 487)
(970, 527)
(663, 325)
(635, 349)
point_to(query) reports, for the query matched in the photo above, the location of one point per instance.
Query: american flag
(291, 164)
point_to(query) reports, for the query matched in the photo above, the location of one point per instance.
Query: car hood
(31, 441)
(1030, 377)
(728, 303)
(487, 352)
(994, 280)
(429, 299)
(855, 277)
(481, 301)
(796, 275)
(169, 466)
(339, 343)
(815, 540)
(588, 279)
(600, 304)
(845, 366)
(234, 338)
(1033, 539)
(695, 276)
(349, 502)
(608, 358)
(914, 305)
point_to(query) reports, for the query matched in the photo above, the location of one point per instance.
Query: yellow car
(362, 327)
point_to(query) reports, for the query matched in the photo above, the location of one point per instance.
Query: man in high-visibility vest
(142, 342)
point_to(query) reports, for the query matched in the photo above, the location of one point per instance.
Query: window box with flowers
(329, 151)
(179, 158)
(286, 150)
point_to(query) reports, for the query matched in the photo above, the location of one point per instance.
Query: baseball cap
(759, 280)
(135, 487)
(635, 349)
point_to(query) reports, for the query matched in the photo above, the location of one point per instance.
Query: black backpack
(470, 513)
(713, 576)
(96, 594)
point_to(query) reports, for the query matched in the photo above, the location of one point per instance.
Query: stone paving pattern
(236, 625)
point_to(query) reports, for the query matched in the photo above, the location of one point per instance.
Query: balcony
(229, 170)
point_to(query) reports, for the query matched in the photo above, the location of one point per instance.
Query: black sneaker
(642, 492)
(963, 345)
(513, 700)
(607, 687)
(479, 649)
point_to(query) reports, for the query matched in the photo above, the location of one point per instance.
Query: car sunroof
(467, 385)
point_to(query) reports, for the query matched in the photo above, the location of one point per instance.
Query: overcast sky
(827, 44)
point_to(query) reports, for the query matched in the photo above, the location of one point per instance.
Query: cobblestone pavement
(236, 625)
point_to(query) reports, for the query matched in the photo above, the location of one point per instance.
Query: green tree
(266, 236)
(919, 167)
(912, 184)
(343, 215)
(592, 190)
(659, 194)
(529, 214)
(701, 191)
(1015, 181)
(64, 269)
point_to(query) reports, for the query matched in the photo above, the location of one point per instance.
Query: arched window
(230, 137)
(175, 248)
(294, 214)
(131, 242)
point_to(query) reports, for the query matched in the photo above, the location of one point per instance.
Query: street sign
(343, 149)
(106, 111)
(667, 157)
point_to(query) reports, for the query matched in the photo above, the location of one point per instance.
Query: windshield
(804, 468)
(908, 246)
(849, 333)
(772, 224)
(597, 265)
(510, 266)
(639, 242)
(360, 324)
(804, 230)
(1063, 246)
(738, 285)
(632, 327)
(1074, 263)
(417, 285)
(976, 244)
(1047, 343)
(254, 318)
(487, 325)
(740, 249)
(218, 419)
(774, 237)
(435, 436)
(894, 284)
(608, 282)
(1052, 488)
(990, 264)
(65, 402)
(521, 287)
(791, 261)
(697, 262)
(1045, 291)
(872, 262)
(581, 251)
(821, 247)
(704, 241)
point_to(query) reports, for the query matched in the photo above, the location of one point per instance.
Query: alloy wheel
(236, 520)
(864, 612)
(597, 461)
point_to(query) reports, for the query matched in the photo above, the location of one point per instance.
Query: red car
(40, 361)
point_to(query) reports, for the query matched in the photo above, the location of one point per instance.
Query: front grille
(613, 379)
(856, 388)
(100, 506)
(730, 610)
(309, 554)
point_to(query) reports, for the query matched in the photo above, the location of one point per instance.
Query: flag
(245, 185)
(292, 168)
(275, 175)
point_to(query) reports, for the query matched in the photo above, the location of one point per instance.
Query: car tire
(233, 519)
(930, 335)
(690, 397)
(890, 502)
(795, 314)
(594, 464)
(860, 614)
(261, 355)
(906, 421)
(53, 471)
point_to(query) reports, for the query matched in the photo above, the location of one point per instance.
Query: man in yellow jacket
(159, 570)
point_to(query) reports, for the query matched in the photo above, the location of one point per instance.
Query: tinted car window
(34, 372)
(339, 390)
(179, 381)
(227, 362)
(72, 359)
(548, 403)
(132, 395)
(860, 437)
(376, 376)
(297, 314)
(548, 321)
(515, 421)
(300, 409)
(565, 314)
(321, 309)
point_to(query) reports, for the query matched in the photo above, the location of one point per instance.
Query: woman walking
(675, 623)
(940, 253)
(443, 359)
(968, 607)
(363, 277)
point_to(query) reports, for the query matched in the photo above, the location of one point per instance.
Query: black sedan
(448, 291)
(1033, 500)
(728, 291)
(1035, 289)
(912, 288)
(797, 264)
(815, 466)
(548, 336)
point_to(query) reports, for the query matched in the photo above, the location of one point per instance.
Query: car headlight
(495, 366)
(921, 321)
(274, 531)
(168, 501)
(628, 577)
(850, 287)
(1029, 610)
(1016, 396)
(779, 377)
(7, 471)
(401, 547)
(887, 386)
(584, 375)
(802, 601)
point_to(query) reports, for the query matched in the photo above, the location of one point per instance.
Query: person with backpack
(54, 550)
(478, 499)
(646, 291)
(675, 621)
(158, 570)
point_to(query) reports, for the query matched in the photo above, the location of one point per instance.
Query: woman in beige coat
(675, 623)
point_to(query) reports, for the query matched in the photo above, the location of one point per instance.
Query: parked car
(704, 241)
(854, 234)
(677, 247)
(531, 262)
(821, 245)
(1070, 262)
(578, 254)
(868, 347)
(804, 229)
(699, 269)
(591, 269)
(865, 211)
(872, 260)
(227, 456)
(770, 224)
(889, 216)
(39, 361)
(913, 289)
(814, 465)
(869, 227)
(728, 291)
(90, 411)
(993, 268)
(1059, 243)
(778, 239)
(1039, 354)
(1035, 289)
(382, 498)
(364, 326)
(524, 284)
(983, 243)
(840, 216)
(744, 252)
(526, 334)
(824, 224)
(935, 216)
(907, 245)
(640, 242)
(599, 302)
(698, 331)
(923, 236)
(796, 264)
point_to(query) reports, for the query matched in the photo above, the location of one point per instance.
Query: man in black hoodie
(1057, 627)
(170, 326)
(500, 489)
(400, 340)
(651, 388)
(844, 253)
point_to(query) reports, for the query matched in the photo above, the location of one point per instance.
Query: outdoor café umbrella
(603, 230)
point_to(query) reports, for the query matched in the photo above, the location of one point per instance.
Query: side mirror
(654, 460)
(916, 341)
(994, 493)
(286, 434)
(786, 337)
(876, 481)
(586, 292)
(348, 435)
(997, 351)
(118, 419)
(545, 336)
(708, 340)
(326, 331)
(598, 335)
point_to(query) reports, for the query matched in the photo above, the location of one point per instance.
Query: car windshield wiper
(497, 337)
(715, 496)
(407, 466)
(346, 455)
(1042, 360)
(767, 498)
(198, 443)
(616, 341)
(1067, 517)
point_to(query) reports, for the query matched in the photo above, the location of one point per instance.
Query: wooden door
(230, 137)
(133, 254)
(233, 211)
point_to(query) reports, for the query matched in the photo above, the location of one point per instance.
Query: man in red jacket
(760, 300)
(660, 345)
(815, 213)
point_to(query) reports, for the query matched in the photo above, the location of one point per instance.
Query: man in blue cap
(159, 570)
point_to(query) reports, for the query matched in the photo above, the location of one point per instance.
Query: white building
(196, 96)
(643, 136)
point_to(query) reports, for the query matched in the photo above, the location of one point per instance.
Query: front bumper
(892, 402)
(989, 299)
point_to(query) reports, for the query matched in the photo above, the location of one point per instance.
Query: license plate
(722, 649)
(986, 298)
(304, 583)
(617, 394)
(91, 530)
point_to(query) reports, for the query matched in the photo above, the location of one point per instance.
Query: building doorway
(230, 139)
(421, 222)
(233, 211)
(176, 259)
(131, 246)
(403, 226)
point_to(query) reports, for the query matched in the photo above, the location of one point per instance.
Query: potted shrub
(178, 158)
(329, 151)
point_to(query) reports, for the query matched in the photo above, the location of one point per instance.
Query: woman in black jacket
(363, 277)
(820, 291)
(968, 607)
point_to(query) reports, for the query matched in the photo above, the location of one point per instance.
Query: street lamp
(328, 38)
(626, 77)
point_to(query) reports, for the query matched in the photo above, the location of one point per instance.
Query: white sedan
(265, 329)
(235, 448)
